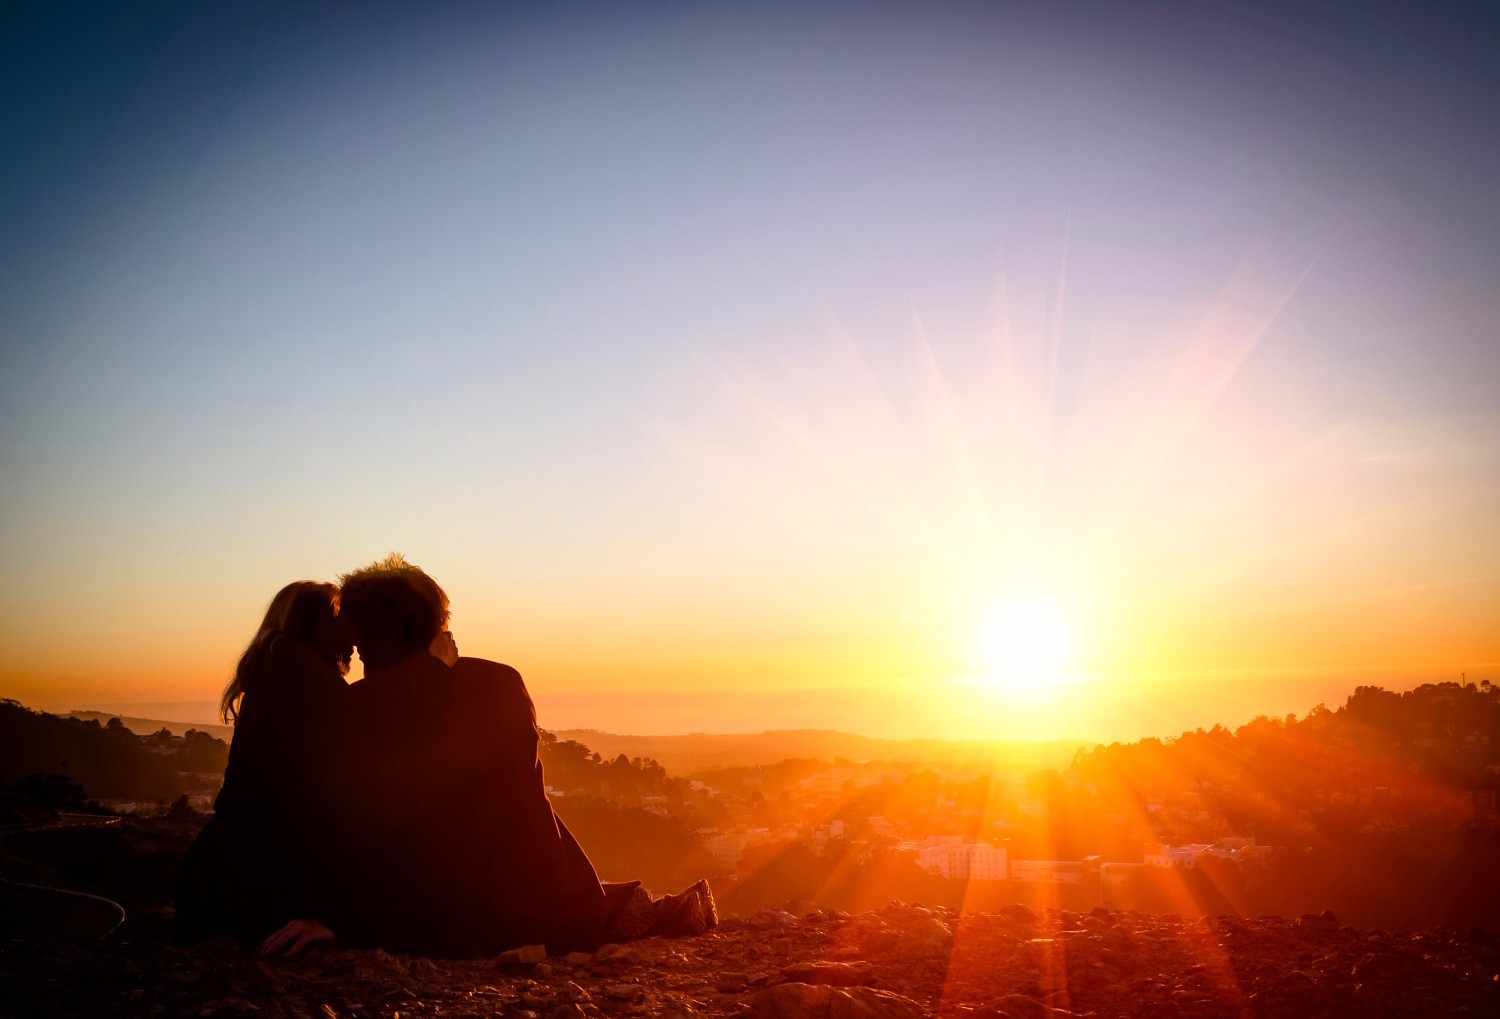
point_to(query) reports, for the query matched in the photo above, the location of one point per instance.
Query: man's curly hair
(394, 608)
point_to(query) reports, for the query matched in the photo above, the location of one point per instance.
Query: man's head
(393, 608)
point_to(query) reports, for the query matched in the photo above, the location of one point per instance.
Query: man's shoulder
(484, 669)
(482, 682)
(417, 674)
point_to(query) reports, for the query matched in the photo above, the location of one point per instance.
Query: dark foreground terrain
(902, 960)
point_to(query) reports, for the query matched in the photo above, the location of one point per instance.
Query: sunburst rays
(949, 471)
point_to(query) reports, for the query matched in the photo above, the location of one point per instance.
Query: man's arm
(444, 648)
(500, 720)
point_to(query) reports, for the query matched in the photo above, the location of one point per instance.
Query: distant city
(1383, 809)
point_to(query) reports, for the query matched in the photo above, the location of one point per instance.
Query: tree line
(67, 762)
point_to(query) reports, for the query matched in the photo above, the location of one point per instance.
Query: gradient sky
(726, 363)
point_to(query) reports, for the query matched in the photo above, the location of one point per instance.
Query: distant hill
(687, 753)
(61, 761)
(682, 755)
(147, 726)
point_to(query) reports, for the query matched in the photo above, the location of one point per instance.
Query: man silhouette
(454, 847)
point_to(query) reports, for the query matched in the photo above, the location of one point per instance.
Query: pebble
(524, 954)
(774, 918)
(835, 974)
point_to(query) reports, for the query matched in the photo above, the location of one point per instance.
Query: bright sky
(944, 369)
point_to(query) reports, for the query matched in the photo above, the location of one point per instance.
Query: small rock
(423, 969)
(1384, 967)
(570, 991)
(730, 983)
(806, 1001)
(1020, 1006)
(578, 958)
(1118, 939)
(1297, 985)
(524, 955)
(774, 918)
(229, 1006)
(927, 936)
(625, 992)
(1321, 923)
(832, 974)
(864, 937)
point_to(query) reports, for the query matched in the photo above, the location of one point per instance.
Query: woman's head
(306, 610)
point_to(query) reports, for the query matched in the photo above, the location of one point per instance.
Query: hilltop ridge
(147, 726)
(682, 753)
(689, 752)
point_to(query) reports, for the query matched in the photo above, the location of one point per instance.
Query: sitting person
(405, 812)
(444, 790)
(262, 859)
(466, 854)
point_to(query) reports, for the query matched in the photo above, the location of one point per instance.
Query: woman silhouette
(266, 855)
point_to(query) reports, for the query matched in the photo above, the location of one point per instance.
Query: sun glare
(1024, 648)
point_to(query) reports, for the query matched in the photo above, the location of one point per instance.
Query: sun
(1024, 647)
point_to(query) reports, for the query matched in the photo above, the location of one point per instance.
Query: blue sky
(675, 330)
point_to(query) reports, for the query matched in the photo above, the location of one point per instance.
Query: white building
(728, 848)
(1230, 847)
(826, 832)
(1047, 872)
(957, 860)
(1176, 856)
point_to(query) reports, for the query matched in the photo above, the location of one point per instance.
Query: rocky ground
(899, 961)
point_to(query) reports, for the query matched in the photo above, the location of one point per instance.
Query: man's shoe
(632, 918)
(680, 915)
(706, 899)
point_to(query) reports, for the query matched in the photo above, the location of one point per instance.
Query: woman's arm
(294, 937)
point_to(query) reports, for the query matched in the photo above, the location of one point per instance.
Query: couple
(405, 811)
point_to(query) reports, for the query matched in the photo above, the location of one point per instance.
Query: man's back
(460, 843)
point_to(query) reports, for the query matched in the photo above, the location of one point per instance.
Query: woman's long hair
(296, 610)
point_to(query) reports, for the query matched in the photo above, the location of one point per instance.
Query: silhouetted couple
(405, 811)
